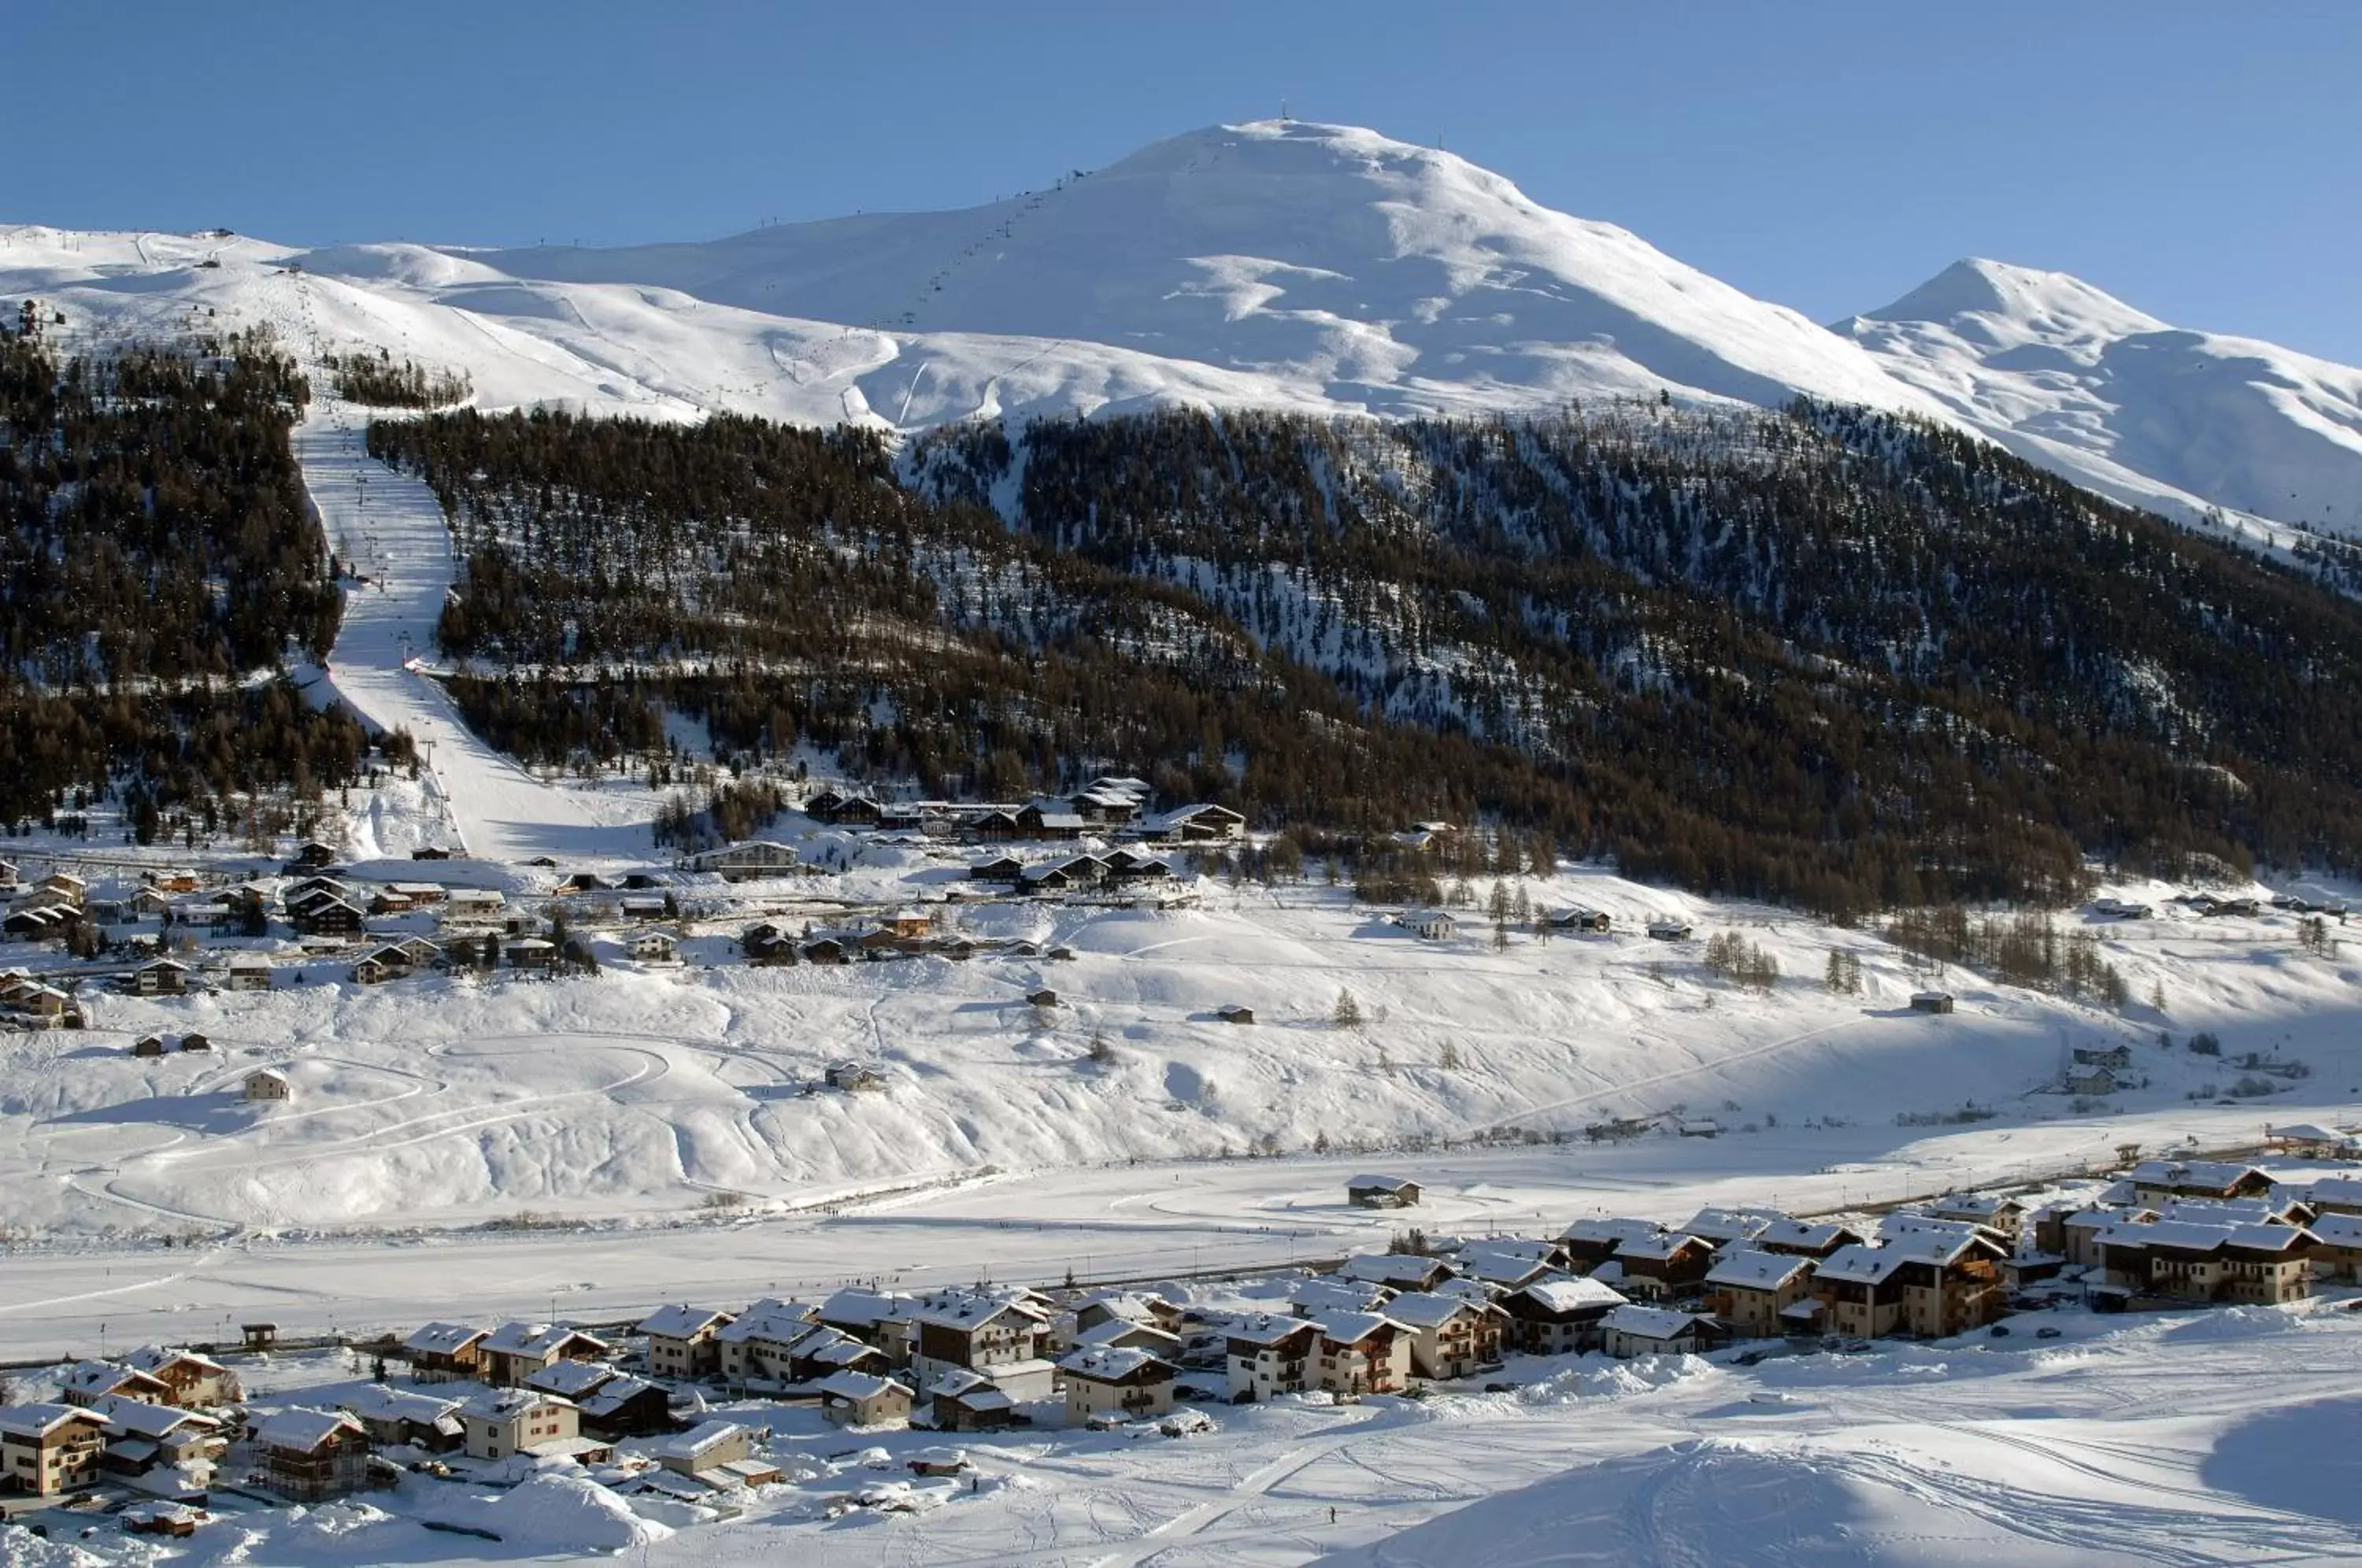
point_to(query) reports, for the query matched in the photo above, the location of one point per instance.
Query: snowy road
(388, 527)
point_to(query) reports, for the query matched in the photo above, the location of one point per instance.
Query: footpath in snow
(389, 526)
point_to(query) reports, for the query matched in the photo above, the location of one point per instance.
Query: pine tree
(1348, 1012)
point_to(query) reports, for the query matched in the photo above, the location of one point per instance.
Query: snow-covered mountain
(1277, 264)
(1378, 274)
(2081, 382)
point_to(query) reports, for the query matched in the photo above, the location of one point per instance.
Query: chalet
(515, 1350)
(531, 953)
(2334, 1194)
(171, 879)
(1590, 1241)
(571, 1380)
(445, 1353)
(1669, 928)
(478, 903)
(1382, 1192)
(1723, 1227)
(1124, 1384)
(1270, 1356)
(856, 1076)
(42, 1005)
(1087, 871)
(249, 972)
(386, 901)
(1428, 925)
(1046, 878)
(1235, 1014)
(202, 914)
(312, 854)
(2337, 1247)
(40, 922)
(402, 1418)
(51, 1450)
(821, 1350)
(161, 978)
(7, 876)
(1927, 1284)
(767, 943)
(2247, 1263)
(311, 1456)
(658, 948)
(713, 1452)
(267, 1086)
(384, 964)
(1049, 820)
(1580, 918)
(149, 1045)
(2121, 909)
(2088, 1081)
(1324, 1294)
(1104, 807)
(826, 950)
(2153, 1181)
(1044, 997)
(1000, 869)
(1504, 1262)
(2002, 1214)
(1362, 1353)
(1931, 1002)
(863, 1399)
(326, 915)
(1749, 1289)
(845, 810)
(196, 1381)
(962, 1400)
(88, 1382)
(757, 1342)
(625, 1407)
(430, 852)
(65, 886)
(684, 1342)
(885, 1318)
(502, 1423)
(1632, 1330)
(1450, 1336)
(978, 1331)
(1398, 1271)
(1664, 1265)
(159, 1449)
(1197, 824)
(751, 861)
(2117, 1056)
(145, 904)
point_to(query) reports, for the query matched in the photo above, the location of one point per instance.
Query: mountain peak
(2055, 304)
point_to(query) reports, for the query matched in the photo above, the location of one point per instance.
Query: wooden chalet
(311, 1456)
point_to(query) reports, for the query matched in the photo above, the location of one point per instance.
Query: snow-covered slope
(2081, 382)
(1381, 274)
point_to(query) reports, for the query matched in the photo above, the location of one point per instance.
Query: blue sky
(2197, 159)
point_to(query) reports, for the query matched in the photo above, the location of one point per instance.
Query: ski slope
(2156, 415)
(388, 527)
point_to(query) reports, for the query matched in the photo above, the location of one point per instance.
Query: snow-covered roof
(302, 1431)
(40, 1420)
(1720, 1225)
(144, 1419)
(1812, 1235)
(379, 1403)
(155, 1358)
(95, 1377)
(1607, 1228)
(858, 1385)
(520, 1338)
(613, 1395)
(2338, 1229)
(570, 1379)
(1352, 1328)
(504, 1404)
(1650, 1322)
(1861, 1263)
(1262, 1328)
(1570, 1294)
(1378, 1183)
(1392, 1268)
(681, 1322)
(866, 1306)
(442, 1339)
(772, 1321)
(1744, 1268)
(1425, 1309)
(1657, 1244)
(2207, 1175)
(1115, 1328)
(1326, 1293)
(699, 1440)
(1104, 1363)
